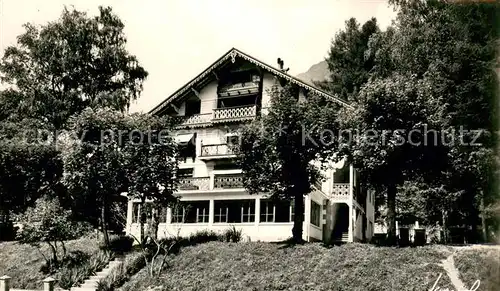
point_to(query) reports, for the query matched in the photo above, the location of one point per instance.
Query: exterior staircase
(91, 283)
(342, 239)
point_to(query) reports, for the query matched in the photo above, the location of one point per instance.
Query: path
(449, 264)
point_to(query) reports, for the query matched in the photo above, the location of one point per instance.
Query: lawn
(23, 263)
(265, 266)
(479, 264)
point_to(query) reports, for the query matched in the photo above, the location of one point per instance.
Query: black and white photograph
(249, 145)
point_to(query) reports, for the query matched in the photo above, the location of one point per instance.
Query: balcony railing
(194, 120)
(228, 181)
(201, 183)
(340, 191)
(213, 150)
(234, 113)
(239, 89)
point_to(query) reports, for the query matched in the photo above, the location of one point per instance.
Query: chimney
(280, 63)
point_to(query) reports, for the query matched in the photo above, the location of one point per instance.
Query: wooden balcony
(197, 120)
(218, 151)
(191, 183)
(228, 181)
(232, 114)
(245, 88)
(340, 192)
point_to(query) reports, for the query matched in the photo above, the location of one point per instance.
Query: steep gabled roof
(233, 54)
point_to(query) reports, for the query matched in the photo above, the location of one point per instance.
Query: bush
(232, 235)
(120, 244)
(48, 222)
(137, 260)
(72, 275)
(203, 236)
(76, 258)
(131, 265)
(69, 277)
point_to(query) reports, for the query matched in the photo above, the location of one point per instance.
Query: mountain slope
(318, 72)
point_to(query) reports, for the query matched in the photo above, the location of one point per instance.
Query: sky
(174, 40)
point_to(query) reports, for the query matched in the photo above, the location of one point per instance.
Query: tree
(49, 223)
(94, 167)
(348, 64)
(384, 149)
(119, 153)
(432, 45)
(151, 164)
(279, 148)
(459, 57)
(60, 68)
(28, 170)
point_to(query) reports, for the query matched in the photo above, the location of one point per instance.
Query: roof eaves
(233, 53)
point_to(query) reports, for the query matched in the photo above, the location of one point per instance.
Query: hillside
(317, 72)
(267, 266)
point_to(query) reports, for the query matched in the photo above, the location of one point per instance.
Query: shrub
(132, 264)
(119, 244)
(76, 258)
(49, 223)
(203, 236)
(69, 277)
(232, 234)
(72, 275)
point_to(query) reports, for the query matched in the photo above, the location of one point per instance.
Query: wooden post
(4, 283)
(48, 284)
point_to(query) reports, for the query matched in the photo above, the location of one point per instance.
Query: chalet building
(222, 98)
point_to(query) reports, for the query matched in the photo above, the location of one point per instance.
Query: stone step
(101, 274)
(91, 283)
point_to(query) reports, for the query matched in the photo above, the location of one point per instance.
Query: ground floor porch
(258, 217)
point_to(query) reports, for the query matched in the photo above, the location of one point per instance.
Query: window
(277, 211)
(136, 210)
(315, 213)
(226, 166)
(178, 213)
(188, 150)
(202, 214)
(234, 211)
(142, 212)
(191, 212)
(163, 215)
(248, 211)
(292, 209)
(341, 175)
(282, 211)
(220, 212)
(185, 173)
(266, 211)
(193, 107)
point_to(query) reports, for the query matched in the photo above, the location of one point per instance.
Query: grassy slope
(261, 266)
(23, 262)
(479, 264)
